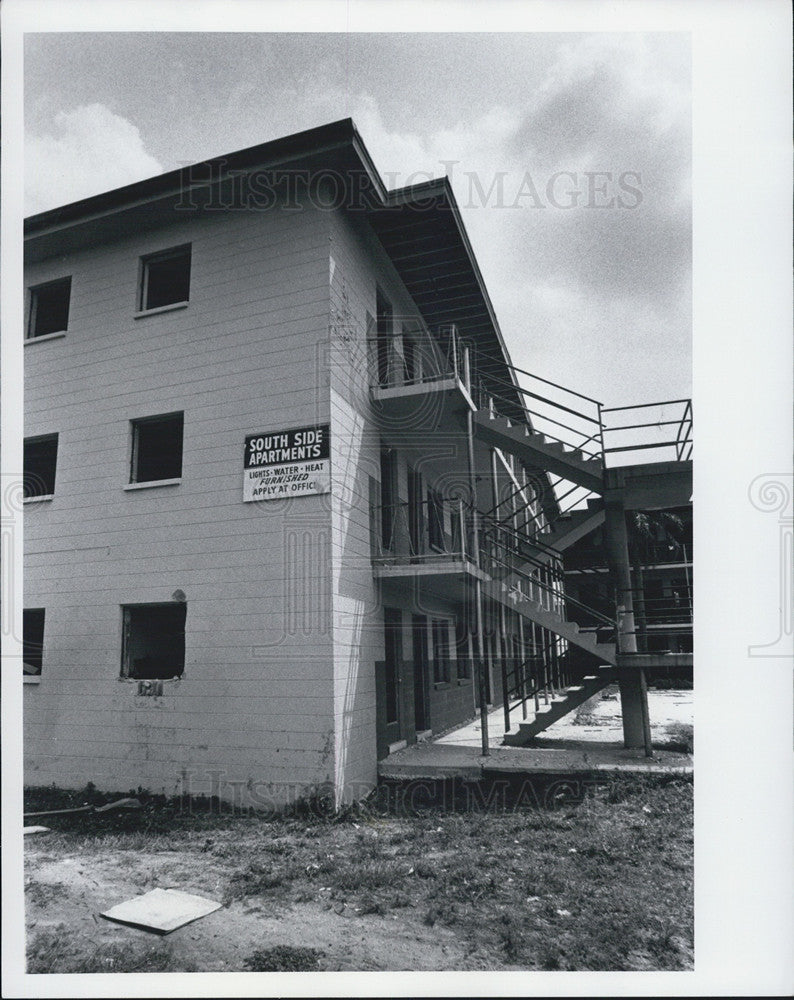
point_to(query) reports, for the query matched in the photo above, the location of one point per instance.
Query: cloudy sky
(569, 155)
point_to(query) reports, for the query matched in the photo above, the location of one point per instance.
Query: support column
(633, 689)
(475, 514)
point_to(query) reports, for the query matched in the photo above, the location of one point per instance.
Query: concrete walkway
(565, 748)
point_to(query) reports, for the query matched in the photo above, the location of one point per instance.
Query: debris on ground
(162, 910)
(34, 829)
(126, 803)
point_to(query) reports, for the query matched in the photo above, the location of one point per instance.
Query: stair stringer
(574, 527)
(575, 695)
(534, 611)
(525, 553)
(536, 449)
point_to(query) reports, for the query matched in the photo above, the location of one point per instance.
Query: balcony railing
(422, 531)
(417, 358)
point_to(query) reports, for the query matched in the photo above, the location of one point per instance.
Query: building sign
(294, 463)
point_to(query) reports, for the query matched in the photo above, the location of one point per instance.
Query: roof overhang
(420, 227)
(422, 231)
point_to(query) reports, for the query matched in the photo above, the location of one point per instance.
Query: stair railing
(520, 543)
(521, 490)
(497, 555)
(643, 438)
(516, 692)
(587, 439)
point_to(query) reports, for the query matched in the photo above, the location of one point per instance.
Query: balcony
(418, 382)
(428, 542)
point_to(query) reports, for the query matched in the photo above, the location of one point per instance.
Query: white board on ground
(161, 910)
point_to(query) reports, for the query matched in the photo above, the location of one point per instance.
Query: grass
(284, 958)
(599, 882)
(55, 950)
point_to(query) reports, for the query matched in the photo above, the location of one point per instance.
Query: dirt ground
(604, 882)
(72, 892)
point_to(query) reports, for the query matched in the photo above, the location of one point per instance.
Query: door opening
(421, 707)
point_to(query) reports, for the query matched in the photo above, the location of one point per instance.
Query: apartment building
(285, 500)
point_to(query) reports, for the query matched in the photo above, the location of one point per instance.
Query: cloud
(89, 150)
(619, 107)
(567, 282)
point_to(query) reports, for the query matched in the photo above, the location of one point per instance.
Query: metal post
(536, 675)
(601, 432)
(633, 689)
(503, 651)
(523, 656)
(477, 587)
(544, 652)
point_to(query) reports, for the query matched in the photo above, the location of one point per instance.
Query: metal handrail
(561, 511)
(535, 542)
(545, 399)
(641, 406)
(681, 443)
(556, 385)
(571, 444)
(558, 595)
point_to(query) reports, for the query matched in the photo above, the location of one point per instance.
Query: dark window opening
(435, 520)
(393, 641)
(154, 641)
(388, 497)
(415, 512)
(32, 641)
(49, 308)
(409, 356)
(165, 278)
(39, 462)
(441, 658)
(157, 448)
(421, 708)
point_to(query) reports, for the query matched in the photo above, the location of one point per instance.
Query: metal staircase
(546, 715)
(534, 588)
(526, 573)
(572, 464)
(552, 620)
(569, 443)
